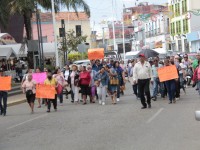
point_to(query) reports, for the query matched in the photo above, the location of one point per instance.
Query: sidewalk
(16, 99)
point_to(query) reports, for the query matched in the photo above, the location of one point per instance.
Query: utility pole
(63, 35)
(55, 37)
(113, 24)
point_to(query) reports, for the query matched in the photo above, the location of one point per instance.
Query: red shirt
(85, 78)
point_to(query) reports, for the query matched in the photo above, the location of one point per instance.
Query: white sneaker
(103, 103)
(118, 99)
(100, 102)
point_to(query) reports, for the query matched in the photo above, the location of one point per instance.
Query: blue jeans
(171, 89)
(156, 82)
(3, 96)
(60, 96)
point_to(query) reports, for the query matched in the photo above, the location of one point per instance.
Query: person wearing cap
(4, 97)
(142, 74)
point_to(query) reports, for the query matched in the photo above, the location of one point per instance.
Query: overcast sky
(102, 9)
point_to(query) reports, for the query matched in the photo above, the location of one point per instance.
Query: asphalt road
(93, 127)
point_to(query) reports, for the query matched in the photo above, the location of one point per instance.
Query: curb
(13, 103)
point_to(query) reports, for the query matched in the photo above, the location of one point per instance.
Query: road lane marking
(155, 115)
(26, 121)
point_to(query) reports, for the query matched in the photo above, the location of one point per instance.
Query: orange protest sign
(97, 53)
(45, 91)
(167, 73)
(5, 83)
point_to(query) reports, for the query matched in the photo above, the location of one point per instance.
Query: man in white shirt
(142, 74)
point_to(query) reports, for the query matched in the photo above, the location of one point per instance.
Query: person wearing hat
(73, 81)
(4, 97)
(142, 74)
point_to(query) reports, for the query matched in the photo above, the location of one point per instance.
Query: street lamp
(54, 27)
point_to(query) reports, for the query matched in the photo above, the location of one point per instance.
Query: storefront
(194, 38)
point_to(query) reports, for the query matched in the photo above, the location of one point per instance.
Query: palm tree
(26, 9)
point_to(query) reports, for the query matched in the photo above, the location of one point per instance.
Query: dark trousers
(170, 85)
(54, 101)
(143, 87)
(177, 89)
(135, 89)
(60, 96)
(3, 97)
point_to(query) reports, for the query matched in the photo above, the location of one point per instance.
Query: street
(111, 127)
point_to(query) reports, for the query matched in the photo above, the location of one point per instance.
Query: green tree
(4, 13)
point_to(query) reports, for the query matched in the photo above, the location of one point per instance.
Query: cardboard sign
(45, 91)
(97, 53)
(39, 77)
(167, 73)
(5, 83)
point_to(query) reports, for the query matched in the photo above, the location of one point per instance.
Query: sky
(102, 9)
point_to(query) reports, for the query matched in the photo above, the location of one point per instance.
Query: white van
(131, 55)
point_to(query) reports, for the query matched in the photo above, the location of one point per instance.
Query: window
(78, 30)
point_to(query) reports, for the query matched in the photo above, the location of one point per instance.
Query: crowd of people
(100, 81)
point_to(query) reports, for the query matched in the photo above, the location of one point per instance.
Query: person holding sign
(51, 81)
(170, 85)
(4, 97)
(28, 87)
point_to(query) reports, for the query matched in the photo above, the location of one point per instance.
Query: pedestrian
(112, 83)
(134, 85)
(142, 75)
(170, 85)
(156, 82)
(101, 79)
(38, 70)
(66, 73)
(73, 81)
(29, 88)
(196, 77)
(3, 97)
(92, 84)
(96, 65)
(58, 75)
(120, 76)
(85, 81)
(51, 81)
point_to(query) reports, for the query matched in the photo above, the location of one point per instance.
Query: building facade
(151, 26)
(182, 24)
(80, 23)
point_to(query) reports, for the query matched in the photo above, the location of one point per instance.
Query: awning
(6, 53)
(161, 50)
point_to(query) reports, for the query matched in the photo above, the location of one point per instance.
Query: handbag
(114, 81)
(59, 89)
(29, 93)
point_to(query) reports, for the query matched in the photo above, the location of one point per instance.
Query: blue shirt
(97, 68)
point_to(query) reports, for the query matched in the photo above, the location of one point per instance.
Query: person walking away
(170, 85)
(60, 84)
(85, 80)
(73, 81)
(120, 76)
(142, 75)
(102, 79)
(3, 98)
(156, 81)
(51, 81)
(92, 84)
(29, 88)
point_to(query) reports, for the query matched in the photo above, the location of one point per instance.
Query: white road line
(27, 121)
(155, 115)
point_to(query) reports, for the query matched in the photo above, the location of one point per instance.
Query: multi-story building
(151, 26)
(80, 23)
(182, 23)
